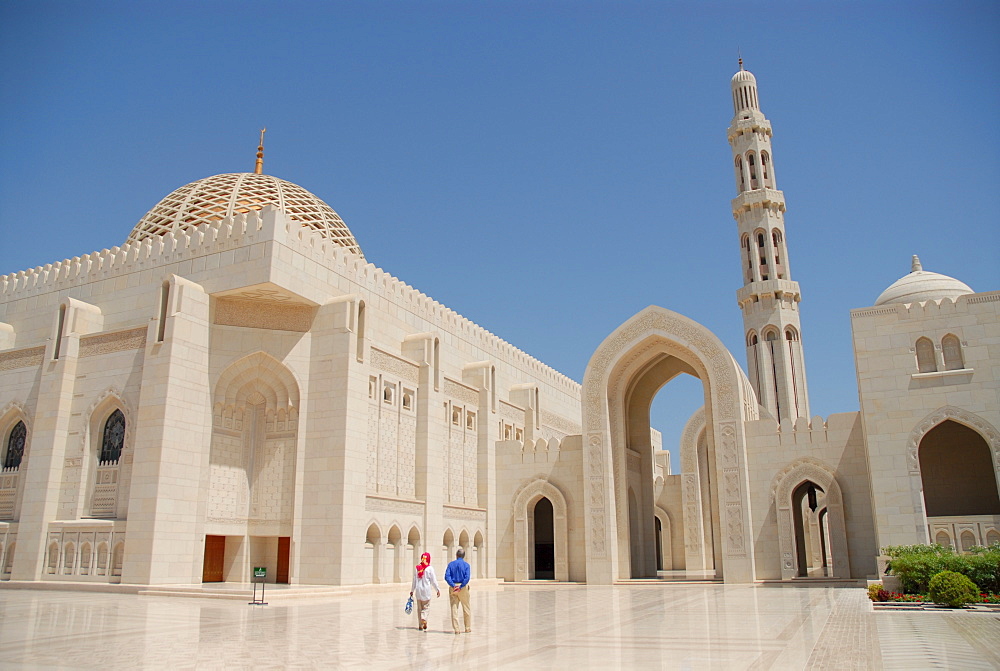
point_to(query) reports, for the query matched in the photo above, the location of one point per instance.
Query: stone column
(329, 517)
(165, 538)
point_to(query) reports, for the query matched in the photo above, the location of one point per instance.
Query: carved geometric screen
(114, 438)
(15, 446)
(215, 198)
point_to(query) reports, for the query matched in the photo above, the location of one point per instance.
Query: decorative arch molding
(640, 341)
(15, 409)
(378, 527)
(783, 485)
(109, 398)
(255, 377)
(524, 505)
(950, 412)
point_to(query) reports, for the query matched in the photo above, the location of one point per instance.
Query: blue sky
(547, 169)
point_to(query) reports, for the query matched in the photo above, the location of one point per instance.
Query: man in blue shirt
(457, 575)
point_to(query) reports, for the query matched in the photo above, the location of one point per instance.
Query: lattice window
(952, 349)
(15, 446)
(114, 438)
(925, 356)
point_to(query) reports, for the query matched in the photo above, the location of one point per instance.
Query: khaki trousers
(460, 601)
(423, 607)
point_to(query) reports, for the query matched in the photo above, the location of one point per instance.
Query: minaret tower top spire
(769, 299)
(258, 168)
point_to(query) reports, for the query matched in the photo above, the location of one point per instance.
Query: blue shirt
(458, 573)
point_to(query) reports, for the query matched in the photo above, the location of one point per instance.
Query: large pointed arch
(635, 349)
(950, 412)
(784, 483)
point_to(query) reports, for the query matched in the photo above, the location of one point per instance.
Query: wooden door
(284, 549)
(215, 556)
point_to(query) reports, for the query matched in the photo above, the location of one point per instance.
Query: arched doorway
(541, 533)
(543, 541)
(623, 376)
(812, 533)
(809, 516)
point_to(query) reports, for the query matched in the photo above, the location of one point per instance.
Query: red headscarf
(425, 561)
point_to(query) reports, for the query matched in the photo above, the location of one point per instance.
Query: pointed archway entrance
(812, 530)
(623, 375)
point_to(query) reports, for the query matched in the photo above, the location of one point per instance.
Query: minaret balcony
(786, 289)
(756, 123)
(758, 198)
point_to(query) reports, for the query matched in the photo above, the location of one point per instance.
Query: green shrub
(906, 550)
(953, 589)
(915, 565)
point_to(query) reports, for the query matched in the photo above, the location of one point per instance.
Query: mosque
(236, 386)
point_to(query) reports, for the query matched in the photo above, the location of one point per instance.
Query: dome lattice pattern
(215, 198)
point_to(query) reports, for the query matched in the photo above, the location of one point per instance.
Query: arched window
(791, 334)
(952, 349)
(114, 438)
(925, 356)
(748, 271)
(15, 446)
(968, 541)
(762, 253)
(751, 339)
(752, 165)
(740, 181)
(942, 538)
(765, 162)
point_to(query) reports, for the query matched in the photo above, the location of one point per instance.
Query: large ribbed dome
(214, 198)
(921, 285)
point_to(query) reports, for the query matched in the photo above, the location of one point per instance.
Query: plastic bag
(409, 606)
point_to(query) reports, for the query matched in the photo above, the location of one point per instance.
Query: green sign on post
(259, 576)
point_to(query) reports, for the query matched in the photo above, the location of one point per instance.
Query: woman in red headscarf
(424, 581)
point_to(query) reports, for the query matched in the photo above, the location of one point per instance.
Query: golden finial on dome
(739, 53)
(259, 167)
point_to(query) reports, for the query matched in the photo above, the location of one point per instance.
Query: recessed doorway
(215, 559)
(544, 541)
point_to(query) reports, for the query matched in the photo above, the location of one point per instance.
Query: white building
(236, 386)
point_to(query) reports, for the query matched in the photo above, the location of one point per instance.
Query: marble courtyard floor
(515, 626)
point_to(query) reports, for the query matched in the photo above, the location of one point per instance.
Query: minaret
(769, 298)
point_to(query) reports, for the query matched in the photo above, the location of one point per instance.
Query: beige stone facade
(236, 386)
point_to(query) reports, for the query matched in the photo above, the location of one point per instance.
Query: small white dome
(215, 198)
(744, 77)
(921, 285)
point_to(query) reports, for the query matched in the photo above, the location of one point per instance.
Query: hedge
(915, 565)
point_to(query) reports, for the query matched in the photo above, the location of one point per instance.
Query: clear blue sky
(547, 169)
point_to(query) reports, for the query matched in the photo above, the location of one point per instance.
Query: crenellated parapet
(803, 431)
(133, 257)
(252, 228)
(943, 307)
(539, 451)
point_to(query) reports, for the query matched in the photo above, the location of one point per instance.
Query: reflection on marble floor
(546, 626)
